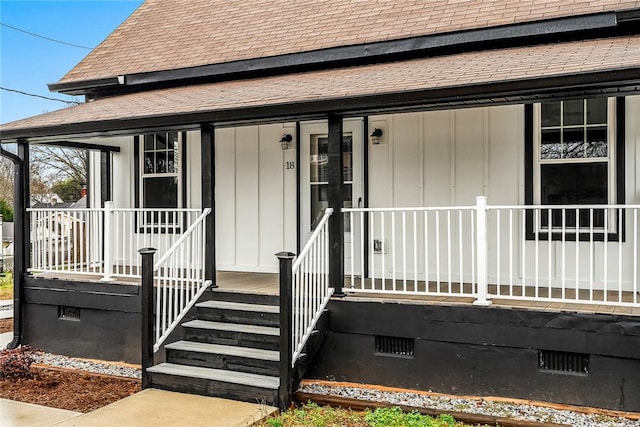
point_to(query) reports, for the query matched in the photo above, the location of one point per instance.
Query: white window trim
(177, 174)
(610, 160)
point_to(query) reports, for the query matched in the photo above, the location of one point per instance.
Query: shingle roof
(458, 70)
(173, 34)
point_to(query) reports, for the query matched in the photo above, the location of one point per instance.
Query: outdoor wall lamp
(376, 136)
(285, 140)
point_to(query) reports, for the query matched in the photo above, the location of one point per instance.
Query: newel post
(146, 313)
(108, 253)
(286, 341)
(482, 297)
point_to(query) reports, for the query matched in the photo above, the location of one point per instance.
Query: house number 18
(290, 165)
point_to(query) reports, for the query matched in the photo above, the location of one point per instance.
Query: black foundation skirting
(484, 351)
(94, 320)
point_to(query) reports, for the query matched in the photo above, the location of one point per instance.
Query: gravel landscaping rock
(98, 367)
(475, 406)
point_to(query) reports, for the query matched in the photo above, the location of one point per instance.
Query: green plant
(6, 211)
(6, 286)
(312, 415)
(274, 422)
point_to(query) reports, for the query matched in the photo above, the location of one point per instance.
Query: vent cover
(561, 361)
(394, 346)
(68, 313)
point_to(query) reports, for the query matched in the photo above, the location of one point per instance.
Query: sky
(28, 63)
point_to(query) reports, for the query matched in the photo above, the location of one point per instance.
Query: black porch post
(335, 196)
(21, 199)
(146, 313)
(286, 340)
(207, 156)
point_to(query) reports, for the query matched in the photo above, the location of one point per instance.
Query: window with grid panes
(160, 166)
(160, 184)
(574, 161)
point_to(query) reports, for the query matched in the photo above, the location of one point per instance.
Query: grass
(312, 415)
(6, 286)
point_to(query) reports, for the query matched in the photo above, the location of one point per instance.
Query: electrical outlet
(377, 246)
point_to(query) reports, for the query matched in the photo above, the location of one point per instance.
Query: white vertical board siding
(270, 195)
(254, 197)
(94, 180)
(225, 194)
(406, 147)
(290, 190)
(470, 156)
(247, 201)
(194, 170)
(480, 151)
(122, 191)
(505, 185)
(437, 158)
(442, 158)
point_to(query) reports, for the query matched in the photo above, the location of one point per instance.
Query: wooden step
(241, 359)
(239, 312)
(246, 297)
(232, 334)
(227, 384)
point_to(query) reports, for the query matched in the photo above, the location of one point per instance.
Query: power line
(43, 37)
(41, 96)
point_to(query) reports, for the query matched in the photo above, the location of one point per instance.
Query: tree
(59, 164)
(6, 180)
(6, 211)
(48, 165)
(69, 189)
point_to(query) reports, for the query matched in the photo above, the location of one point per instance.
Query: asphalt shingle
(174, 34)
(462, 69)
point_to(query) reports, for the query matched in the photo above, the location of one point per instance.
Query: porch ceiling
(513, 75)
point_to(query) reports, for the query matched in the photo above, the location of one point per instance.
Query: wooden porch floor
(515, 290)
(267, 283)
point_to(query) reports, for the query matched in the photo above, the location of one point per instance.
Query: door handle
(359, 202)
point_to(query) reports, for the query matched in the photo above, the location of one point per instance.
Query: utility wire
(43, 37)
(40, 96)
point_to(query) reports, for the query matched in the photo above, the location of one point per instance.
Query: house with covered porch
(450, 189)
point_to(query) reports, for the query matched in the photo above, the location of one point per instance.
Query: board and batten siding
(255, 197)
(448, 158)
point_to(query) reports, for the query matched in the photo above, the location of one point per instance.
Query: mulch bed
(68, 389)
(6, 325)
(65, 388)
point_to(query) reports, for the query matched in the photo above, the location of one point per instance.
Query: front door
(313, 158)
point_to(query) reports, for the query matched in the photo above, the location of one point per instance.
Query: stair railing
(179, 279)
(304, 294)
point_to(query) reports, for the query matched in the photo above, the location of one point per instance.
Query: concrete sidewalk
(19, 414)
(149, 407)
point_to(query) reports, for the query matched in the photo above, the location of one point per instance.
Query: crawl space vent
(68, 313)
(394, 346)
(562, 361)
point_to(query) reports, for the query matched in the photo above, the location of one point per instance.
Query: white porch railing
(419, 251)
(584, 254)
(69, 240)
(179, 279)
(310, 287)
(102, 241)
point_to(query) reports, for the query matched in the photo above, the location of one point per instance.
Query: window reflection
(319, 180)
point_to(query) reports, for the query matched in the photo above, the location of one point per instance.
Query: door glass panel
(318, 178)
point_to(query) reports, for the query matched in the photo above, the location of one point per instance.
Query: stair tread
(253, 353)
(222, 375)
(232, 327)
(240, 306)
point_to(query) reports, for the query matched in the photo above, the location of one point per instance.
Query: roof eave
(360, 54)
(604, 82)
(81, 87)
